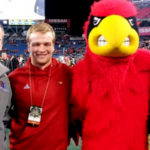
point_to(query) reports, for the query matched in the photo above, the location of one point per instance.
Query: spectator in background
(5, 96)
(42, 83)
(14, 63)
(5, 60)
(21, 60)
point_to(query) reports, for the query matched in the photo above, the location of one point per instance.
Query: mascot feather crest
(111, 84)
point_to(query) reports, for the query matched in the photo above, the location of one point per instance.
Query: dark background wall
(76, 10)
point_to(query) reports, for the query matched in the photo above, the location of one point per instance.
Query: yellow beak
(113, 37)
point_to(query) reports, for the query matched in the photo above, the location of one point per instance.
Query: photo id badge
(34, 117)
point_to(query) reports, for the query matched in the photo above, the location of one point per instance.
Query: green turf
(72, 145)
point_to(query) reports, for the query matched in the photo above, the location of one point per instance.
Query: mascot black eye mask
(111, 84)
(95, 21)
(112, 31)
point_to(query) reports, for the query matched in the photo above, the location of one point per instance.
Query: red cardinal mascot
(111, 85)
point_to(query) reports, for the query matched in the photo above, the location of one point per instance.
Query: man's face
(1, 38)
(41, 48)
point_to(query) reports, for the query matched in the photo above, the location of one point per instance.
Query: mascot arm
(79, 96)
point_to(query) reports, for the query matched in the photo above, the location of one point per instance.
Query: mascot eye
(132, 22)
(96, 21)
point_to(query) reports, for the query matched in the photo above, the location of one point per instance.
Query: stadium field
(70, 147)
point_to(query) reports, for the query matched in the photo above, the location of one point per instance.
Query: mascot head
(111, 29)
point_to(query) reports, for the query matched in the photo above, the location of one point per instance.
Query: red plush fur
(111, 7)
(110, 96)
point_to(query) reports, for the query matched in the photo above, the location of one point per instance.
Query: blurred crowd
(145, 44)
(68, 50)
(12, 62)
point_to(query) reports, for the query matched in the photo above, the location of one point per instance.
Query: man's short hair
(42, 28)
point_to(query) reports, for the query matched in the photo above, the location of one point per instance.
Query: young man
(40, 95)
(5, 96)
